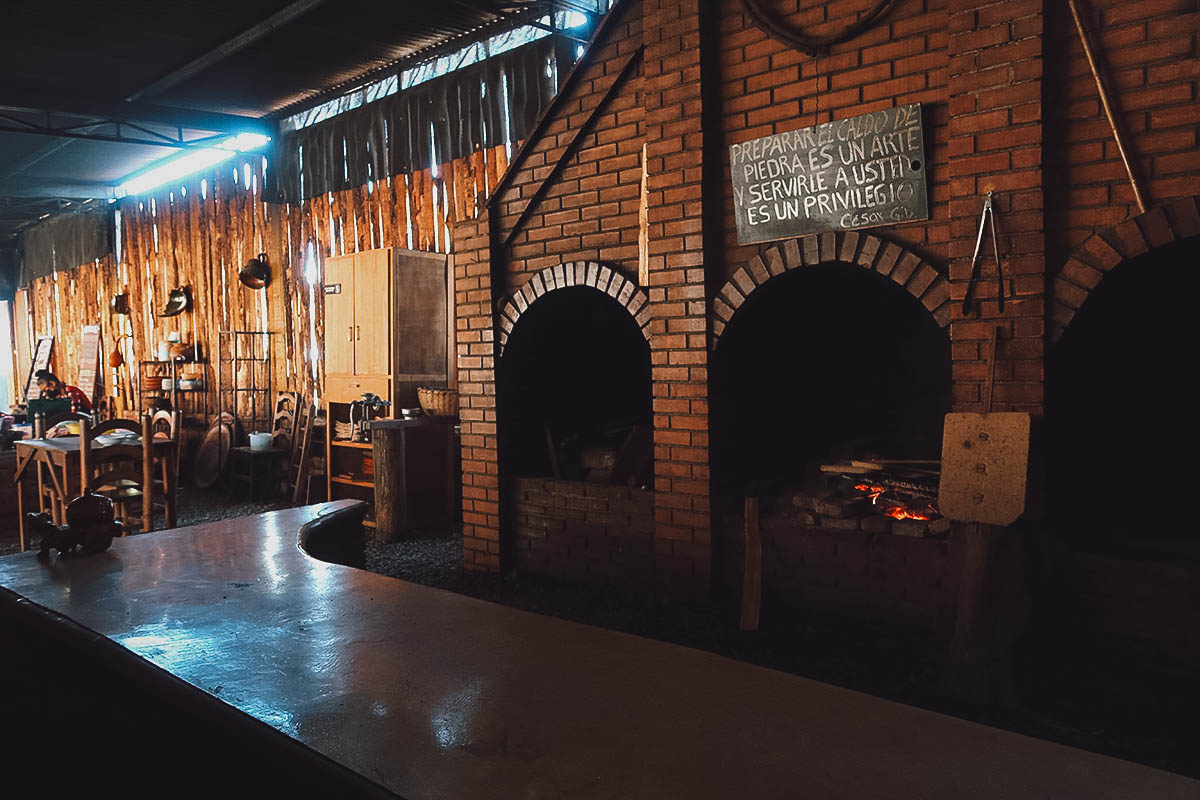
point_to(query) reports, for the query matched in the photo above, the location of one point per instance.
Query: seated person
(53, 387)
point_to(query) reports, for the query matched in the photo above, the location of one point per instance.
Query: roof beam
(228, 48)
(134, 112)
(192, 68)
(50, 191)
(92, 133)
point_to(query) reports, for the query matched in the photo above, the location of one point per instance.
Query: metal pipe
(1104, 101)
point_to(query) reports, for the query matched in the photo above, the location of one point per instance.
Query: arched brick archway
(852, 247)
(1105, 249)
(575, 273)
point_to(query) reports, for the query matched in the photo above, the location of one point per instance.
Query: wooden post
(752, 571)
(978, 544)
(969, 647)
(387, 447)
(85, 452)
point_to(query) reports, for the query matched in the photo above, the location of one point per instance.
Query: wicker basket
(152, 383)
(438, 401)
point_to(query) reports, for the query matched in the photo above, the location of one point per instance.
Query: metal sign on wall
(860, 172)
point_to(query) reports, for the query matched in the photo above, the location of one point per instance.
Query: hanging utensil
(986, 219)
(120, 303)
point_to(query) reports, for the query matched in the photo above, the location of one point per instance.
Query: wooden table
(250, 469)
(57, 461)
(433, 695)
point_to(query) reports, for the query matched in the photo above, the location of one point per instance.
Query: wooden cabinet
(386, 332)
(339, 315)
(358, 333)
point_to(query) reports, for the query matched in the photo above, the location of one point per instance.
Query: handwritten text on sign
(852, 173)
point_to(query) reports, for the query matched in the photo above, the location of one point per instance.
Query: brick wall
(587, 163)
(1146, 614)
(913, 581)
(1147, 51)
(475, 342)
(675, 151)
(767, 88)
(1009, 107)
(996, 145)
(588, 531)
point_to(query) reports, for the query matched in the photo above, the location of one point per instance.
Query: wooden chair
(308, 465)
(47, 496)
(166, 425)
(120, 472)
(283, 431)
(58, 420)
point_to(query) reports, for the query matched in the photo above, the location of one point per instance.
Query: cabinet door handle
(358, 332)
(350, 334)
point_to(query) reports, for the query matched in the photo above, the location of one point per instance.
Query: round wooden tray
(214, 450)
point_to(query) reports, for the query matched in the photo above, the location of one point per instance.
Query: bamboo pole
(1106, 104)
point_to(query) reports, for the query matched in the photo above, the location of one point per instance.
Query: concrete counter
(429, 694)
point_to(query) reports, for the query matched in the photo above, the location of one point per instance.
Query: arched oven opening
(826, 363)
(1120, 409)
(824, 371)
(573, 382)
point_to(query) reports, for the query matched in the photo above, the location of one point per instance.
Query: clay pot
(115, 359)
(182, 352)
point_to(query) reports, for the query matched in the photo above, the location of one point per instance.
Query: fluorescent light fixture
(190, 162)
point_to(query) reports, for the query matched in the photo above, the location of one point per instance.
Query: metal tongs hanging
(987, 219)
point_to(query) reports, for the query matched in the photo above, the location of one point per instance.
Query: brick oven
(613, 233)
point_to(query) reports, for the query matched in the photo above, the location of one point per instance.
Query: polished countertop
(436, 695)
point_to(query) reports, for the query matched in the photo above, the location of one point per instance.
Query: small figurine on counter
(90, 526)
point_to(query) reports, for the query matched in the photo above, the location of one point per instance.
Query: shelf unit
(191, 403)
(244, 378)
(349, 466)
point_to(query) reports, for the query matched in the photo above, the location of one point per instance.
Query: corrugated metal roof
(69, 52)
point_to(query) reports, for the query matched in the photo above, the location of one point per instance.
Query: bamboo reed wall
(199, 234)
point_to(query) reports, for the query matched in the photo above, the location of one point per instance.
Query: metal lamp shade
(257, 273)
(178, 301)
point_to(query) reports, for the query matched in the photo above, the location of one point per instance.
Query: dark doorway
(1121, 405)
(826, 361)
(575, 373)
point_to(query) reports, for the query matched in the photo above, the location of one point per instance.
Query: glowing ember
(895, 511)
(900, 512)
